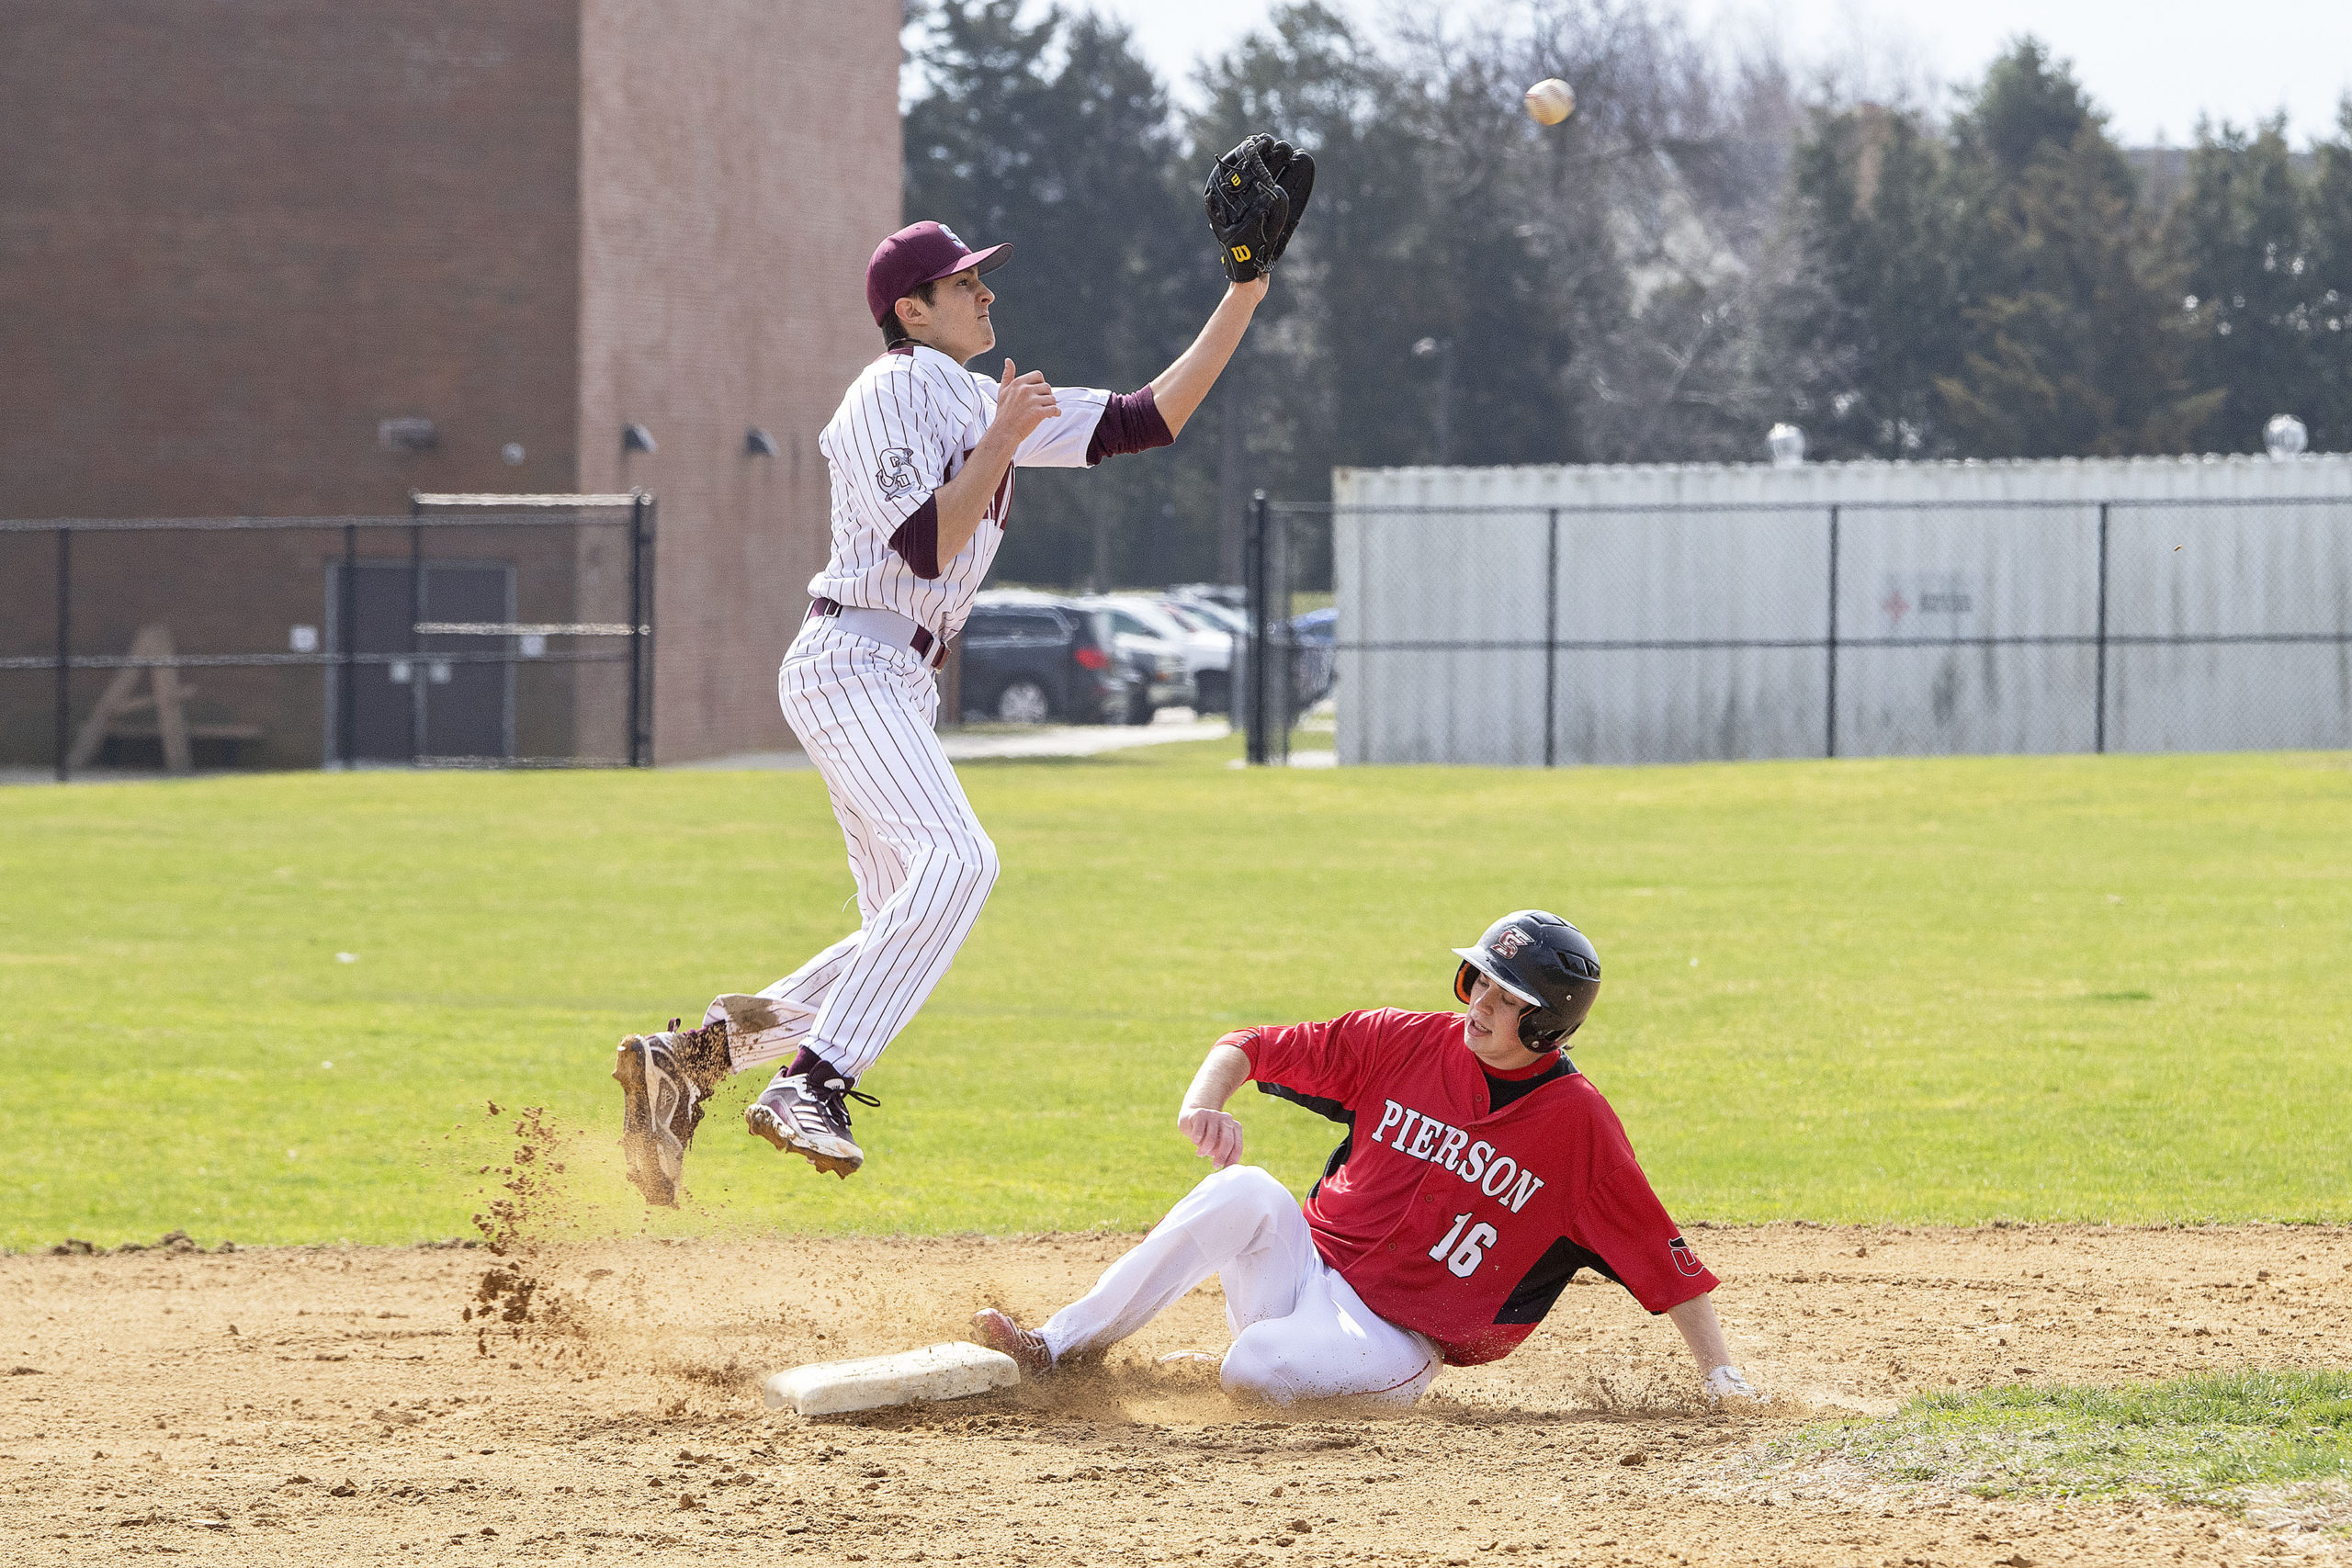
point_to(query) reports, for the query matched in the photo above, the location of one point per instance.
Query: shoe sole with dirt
(640, 1139)
(766, 1123)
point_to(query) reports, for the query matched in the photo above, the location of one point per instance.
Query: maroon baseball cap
(917, 254)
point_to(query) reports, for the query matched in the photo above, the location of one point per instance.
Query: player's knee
(1253, 1183)
(975, 863)
(1258, 1367)
(963, 865)
(1247, 1187)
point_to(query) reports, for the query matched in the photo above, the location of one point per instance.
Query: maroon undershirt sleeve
(917, 540)
(1130, 422)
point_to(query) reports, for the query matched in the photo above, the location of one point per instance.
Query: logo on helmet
(1507, 944)
(955, 236)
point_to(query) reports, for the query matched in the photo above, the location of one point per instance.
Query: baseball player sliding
(921, 452)
(1480, 1171)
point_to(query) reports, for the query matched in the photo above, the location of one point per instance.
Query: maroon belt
(884, 626)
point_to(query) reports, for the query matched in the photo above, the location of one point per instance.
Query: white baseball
(1551, 101)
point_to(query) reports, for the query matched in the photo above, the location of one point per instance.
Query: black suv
(1032, 659)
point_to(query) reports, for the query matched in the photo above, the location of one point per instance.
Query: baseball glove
(1294, 172)
(1249, 210)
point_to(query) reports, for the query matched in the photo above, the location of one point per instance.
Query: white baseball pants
(923, 865)
(1299, 1330)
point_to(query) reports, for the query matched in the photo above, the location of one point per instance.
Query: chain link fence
(488, 631)
(1640, 632)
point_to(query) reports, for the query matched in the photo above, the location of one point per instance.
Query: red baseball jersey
(1454, 1219)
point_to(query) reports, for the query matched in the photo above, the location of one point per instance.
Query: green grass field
(1950, 989)
(2203, 1438)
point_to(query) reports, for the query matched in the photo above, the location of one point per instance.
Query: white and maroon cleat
(1027, 1349)
(807, 1114)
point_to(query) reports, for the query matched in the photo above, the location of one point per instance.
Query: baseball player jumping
(921, 452)
(1480, 1171)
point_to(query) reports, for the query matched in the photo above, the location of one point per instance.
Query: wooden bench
(165, 704)
(230, 737)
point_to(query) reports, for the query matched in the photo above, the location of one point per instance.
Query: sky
(2154, 65)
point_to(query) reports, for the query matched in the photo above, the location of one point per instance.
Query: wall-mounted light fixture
(758, 442)
(1786, 442)
(407, 435)
(635, 437)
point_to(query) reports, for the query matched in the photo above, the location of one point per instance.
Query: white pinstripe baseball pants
(1299, 1329)
(923, 865)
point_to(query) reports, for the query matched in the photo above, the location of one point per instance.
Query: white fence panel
(1688, 614)
(1932, 606)
(2229, 577)
(1647, 601)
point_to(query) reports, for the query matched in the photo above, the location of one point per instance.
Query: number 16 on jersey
(1466, 1258)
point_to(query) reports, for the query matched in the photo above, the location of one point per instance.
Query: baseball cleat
(807, 1114)
(1026, 1347)
(664, 1078)
(1727, 1387)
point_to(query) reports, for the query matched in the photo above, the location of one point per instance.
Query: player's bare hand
(1023, 402)
(1216, 1135)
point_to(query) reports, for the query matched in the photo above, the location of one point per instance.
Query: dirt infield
(359, 1405)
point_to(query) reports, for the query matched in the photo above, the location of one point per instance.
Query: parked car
(1158, 647)
(1227, 596)
(1311, 635)
(1031, 657)
(1314, 665)
(1209, 642)
(1216, 612)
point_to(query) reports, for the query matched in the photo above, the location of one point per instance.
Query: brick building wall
(723, 286)
(235, 236)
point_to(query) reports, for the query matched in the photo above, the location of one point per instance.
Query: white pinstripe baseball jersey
(865, 711)
(906, 427)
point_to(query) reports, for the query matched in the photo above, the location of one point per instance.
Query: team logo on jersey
(1507, 944)
(1686, 1262)
(897, 475)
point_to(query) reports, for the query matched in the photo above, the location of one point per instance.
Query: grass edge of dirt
(2222, 1440)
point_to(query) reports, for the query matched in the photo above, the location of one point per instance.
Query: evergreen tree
(1328, 375)
(2328, 205)
(1058, 137)
(2245, 234)
(1879, 324)
(2071, 347)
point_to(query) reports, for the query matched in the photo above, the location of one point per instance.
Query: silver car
(1157, 645)
(1212, 631)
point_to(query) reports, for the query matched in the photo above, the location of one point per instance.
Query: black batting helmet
(1545, 962)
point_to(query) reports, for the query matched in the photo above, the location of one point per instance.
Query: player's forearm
(1223, 1072)
(1177, 391)
(1702, 1332)
(964, 499)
